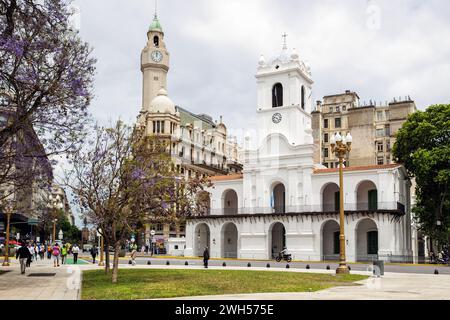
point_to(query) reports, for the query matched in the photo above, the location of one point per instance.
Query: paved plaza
(65, 283)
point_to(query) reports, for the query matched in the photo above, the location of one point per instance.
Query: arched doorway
(230, 202)
(229, 241)
(367, 196)
(330, 198)
(330, 240)
(202, 239)
(279, 198)
(277, 239)
(366, 240)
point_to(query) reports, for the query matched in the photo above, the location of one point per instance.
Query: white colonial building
(284, 199)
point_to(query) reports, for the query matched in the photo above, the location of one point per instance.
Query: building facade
(284, 198)
(375, 127)
(59, 201)
(199, 146)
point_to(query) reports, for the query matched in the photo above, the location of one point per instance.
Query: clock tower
(154, 63)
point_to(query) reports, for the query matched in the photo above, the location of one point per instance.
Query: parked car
(87, 247)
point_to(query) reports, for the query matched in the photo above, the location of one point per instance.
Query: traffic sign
(153, 232)
(33, 221)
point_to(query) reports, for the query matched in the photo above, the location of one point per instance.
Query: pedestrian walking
(30, 257)
(205, 257)
(56, 251)
(41, 251)
(49, 251)
(75, 250)
(133, 257)
(36, 251)
(63, 254)
(23, 254)
(94, 253)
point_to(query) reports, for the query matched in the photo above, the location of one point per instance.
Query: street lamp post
(101, 263)
(54, 230)
(8, 218)
(341, 146)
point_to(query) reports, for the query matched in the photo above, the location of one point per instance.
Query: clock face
(277, 117)
(157, 56)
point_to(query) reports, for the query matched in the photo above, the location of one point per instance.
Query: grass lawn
(160, 283)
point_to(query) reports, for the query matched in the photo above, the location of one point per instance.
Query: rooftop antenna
(284, 41)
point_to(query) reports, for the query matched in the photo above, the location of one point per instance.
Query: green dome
(155, 25)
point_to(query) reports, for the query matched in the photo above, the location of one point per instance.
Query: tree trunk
(115, 270)
(107, 263)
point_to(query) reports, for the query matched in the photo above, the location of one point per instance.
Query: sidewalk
(64, 285)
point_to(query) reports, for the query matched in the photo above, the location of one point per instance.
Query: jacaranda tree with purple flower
(46, 84)
(122, 180)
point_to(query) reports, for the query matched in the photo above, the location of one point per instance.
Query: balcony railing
(326, 208)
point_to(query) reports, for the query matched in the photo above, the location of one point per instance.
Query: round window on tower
(156, 41)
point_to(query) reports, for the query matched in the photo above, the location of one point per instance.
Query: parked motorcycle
(282, 256)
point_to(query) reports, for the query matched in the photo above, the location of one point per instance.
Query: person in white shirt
(75, 250)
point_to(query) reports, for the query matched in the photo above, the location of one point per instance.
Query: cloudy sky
(380, 49)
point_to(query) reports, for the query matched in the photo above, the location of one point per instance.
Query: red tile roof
(360, 168)
(228, 177)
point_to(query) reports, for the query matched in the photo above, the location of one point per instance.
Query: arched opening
(204, 203)
(303, 97)
(366, 240)
(230, 202)
(229, 241)
(330, 240)
(156, 41)
(279, 198)
(367, 196)
(330, 198)
(277, 95)
(202, 239)
(277, 239)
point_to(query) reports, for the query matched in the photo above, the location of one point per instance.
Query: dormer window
(156, 41)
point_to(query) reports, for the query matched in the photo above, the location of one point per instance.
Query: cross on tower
(284, 40)
(156, 8)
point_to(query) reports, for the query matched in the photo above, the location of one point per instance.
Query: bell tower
(154, 63)
(284, 85)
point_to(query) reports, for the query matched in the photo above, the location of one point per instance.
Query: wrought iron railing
(325, 208)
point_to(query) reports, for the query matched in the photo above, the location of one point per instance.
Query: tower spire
(156, 9)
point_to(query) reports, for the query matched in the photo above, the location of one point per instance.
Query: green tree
(423, 147)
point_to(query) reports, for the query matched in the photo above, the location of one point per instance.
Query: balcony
(350, 208)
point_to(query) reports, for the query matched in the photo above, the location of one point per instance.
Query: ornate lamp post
(8, 212)
(341, 146)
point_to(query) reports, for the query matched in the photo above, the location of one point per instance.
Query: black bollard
(186, 263)
(287, 266)
(224, 264)
(328, 267)
(167, 263)
(249, 265)
(268, 265)
(307, 267)
(149, 262)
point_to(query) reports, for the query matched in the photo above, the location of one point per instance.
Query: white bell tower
(284, 101)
